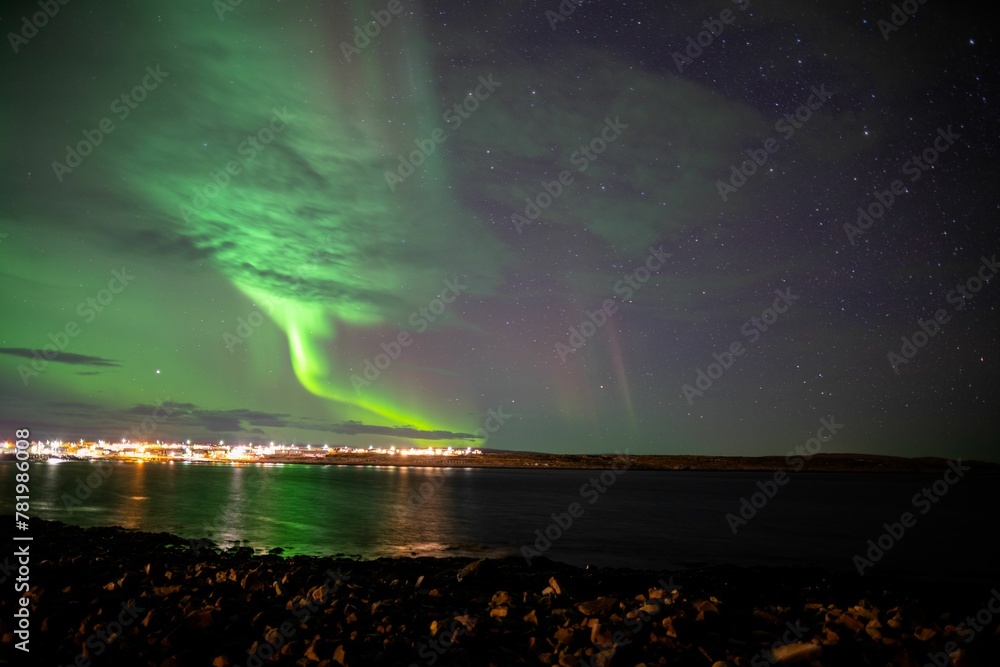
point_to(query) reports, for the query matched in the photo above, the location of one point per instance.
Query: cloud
(76, 419)
(62, 357)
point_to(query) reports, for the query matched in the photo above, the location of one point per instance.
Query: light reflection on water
(646, 519)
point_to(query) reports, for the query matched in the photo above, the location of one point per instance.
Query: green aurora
(246, 192)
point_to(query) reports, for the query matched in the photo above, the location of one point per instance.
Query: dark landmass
(532, 460)
(828, 463)
(110, 596)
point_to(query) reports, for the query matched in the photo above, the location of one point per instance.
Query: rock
(318, 650)
(568, 660)
(603, 658)
(207, 608)
(873, 629)
(471, 569)
(863, 612)
(601, 605)
(129, 582)
(563, 636)
(800, 652)
(251, 583)
(705, 606)
(766, 617)
(850, 623)
(201, 619)
(653, 608)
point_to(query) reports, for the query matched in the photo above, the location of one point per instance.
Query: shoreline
(117, 596)
(819, 463)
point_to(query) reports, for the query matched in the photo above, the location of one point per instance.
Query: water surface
(644, 519)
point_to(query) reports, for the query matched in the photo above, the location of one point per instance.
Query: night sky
(210, 208)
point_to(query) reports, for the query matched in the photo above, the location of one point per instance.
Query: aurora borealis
(284, 228)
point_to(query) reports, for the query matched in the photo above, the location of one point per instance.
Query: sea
(911, 525)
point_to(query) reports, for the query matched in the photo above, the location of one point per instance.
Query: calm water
(644, 520)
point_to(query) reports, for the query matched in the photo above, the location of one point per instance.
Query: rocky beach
(110, 596)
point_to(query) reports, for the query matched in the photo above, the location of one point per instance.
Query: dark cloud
(62, 357)
(156, 243)
(62, 419)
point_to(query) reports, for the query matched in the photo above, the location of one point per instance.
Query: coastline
(819, 463)
(167, 604)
